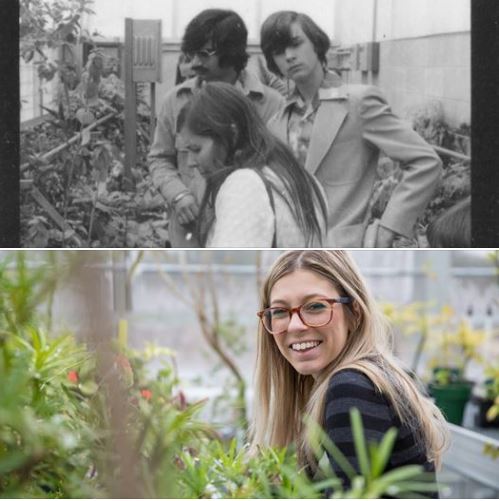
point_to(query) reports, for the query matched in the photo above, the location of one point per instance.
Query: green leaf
(360, 444)
(398, 475)
(13, 461)
(383, 452)
(316, 433)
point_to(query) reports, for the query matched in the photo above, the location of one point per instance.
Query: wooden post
(142, 63)
(153, 110)
(130, 103)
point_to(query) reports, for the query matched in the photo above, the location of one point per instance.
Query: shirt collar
(331, 89)
(246, 82)
(189, 85)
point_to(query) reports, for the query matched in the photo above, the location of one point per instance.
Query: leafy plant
(428, 121)
(491, 386)
(417, 318)
(451, 339)
(456, 344)
(213, 470)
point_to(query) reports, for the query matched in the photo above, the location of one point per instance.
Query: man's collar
(331, 89)
(189, 85)
(246, 82)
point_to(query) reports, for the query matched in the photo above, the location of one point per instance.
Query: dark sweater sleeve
(348, 389)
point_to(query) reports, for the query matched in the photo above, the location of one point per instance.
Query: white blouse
(244, 216)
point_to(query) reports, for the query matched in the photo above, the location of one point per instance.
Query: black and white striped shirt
(350, 388)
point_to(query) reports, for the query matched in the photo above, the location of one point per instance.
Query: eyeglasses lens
(314, 314)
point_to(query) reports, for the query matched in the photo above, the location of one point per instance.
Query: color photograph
(249, 374)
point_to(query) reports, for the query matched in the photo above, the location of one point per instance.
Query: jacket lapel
(330, 115)
(278, 124)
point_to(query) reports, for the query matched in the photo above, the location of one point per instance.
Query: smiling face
(309, 349)
(299, 60)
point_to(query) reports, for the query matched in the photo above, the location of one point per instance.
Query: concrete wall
(358, 21)
(425, 50)
(417, 70)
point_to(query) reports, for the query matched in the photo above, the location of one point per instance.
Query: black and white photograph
(156, 124)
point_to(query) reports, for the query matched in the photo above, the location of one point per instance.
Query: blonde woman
(323, 348)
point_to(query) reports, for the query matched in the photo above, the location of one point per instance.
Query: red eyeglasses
(315, 313)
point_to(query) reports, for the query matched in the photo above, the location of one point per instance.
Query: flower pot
(451, 399)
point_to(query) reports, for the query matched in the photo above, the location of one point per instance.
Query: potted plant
(457, 344)
(487, 399)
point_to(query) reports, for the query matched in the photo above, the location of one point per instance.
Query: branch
(209, 332)
(173, 287)
(47, 156)
(135, 265)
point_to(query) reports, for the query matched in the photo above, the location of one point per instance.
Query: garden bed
(74, 192)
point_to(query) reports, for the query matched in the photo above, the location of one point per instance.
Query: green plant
(46, 432)
(455, 345)
(419, 319)
(213, 470)
(491, 386)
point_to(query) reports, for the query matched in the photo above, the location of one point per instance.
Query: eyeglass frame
(201, 54)
(296, 309)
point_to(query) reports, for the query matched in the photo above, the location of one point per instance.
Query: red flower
(147, 394)
(73, 377)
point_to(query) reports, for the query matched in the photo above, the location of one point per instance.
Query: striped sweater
(350, 388)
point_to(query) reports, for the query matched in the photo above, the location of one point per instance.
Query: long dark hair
(275, 36)
(223, 113)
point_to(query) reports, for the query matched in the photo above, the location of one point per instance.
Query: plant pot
(483, 405)
(451, 399)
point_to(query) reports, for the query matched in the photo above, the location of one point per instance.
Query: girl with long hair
(323, 348)
(256, 195)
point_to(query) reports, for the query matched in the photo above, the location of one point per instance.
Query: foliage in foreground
(76, 423)
(55, 438)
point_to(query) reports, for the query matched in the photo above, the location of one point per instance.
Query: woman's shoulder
(353, 384)
(243, 175)
(350, 388)
(243, 189)
(350, 377)
(251, 179)
(242, 181)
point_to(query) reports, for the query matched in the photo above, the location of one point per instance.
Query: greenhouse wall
(414, 72)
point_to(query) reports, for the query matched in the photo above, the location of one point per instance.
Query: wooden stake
(130, 104)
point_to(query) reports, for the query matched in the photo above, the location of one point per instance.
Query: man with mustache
(215, 41)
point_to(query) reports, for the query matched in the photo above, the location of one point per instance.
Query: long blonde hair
(283, 396)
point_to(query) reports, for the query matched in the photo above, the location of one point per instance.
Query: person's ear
(356, 315)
